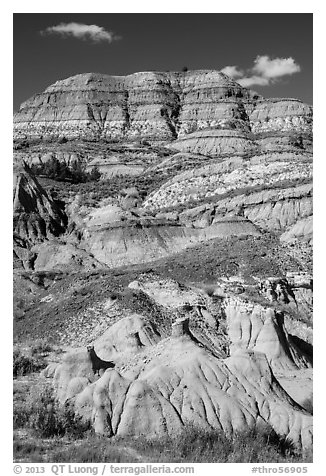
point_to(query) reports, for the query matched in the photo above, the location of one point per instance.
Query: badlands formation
(188, 265)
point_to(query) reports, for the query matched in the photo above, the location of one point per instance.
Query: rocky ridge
(36, 215)
(159, 106)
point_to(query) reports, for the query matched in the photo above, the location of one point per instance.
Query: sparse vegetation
(21, 145)
(41, 346)
(29, 451)
(58, 170)
(258, 445)
(91, 193)
(194, 445)
(24, 364)
(45, 417)
(94, 449)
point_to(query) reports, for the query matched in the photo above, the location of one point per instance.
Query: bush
(296, 141)
(20, 415)
(41, 346)
(95, 450)
(19, 145)
(24, 364)
(56, 170)
(28, 451)
(94, 175)
(48, 418)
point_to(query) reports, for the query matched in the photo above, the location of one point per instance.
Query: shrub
(47, 418)
(260, 445)
(41, 346)
(60, 171)
(95, 450)
(256, 445)
(24, 364)
(94, 175)
(296, 141)
(71, 424)
(28, 451)
(20, 415)
(23, 144)
(42, 412)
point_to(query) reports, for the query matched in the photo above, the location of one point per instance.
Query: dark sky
(162, 42)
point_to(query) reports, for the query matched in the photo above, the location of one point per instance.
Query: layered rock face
(235, 147)
(158, 106)
(301, 230)
(188, 266)
(231, 175)
(281, 115)
(148, 240)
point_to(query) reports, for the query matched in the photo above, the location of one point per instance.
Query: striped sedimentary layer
(154, 105)
(232, 176)
(143, 241)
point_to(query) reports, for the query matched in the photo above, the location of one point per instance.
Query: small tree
(52, 168)
(77, 172)
(297, 141)
(64, 172)
(35, 169)
(94, 175)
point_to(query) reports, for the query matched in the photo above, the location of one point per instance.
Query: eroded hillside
(187, 266)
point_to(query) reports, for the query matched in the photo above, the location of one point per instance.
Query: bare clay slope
(168, 377)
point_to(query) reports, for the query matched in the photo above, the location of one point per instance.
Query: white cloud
(81, 31)
(252, 80)
(275, 68)
(264, 72)
(232, 71)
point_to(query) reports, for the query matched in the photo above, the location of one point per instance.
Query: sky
(270, 53)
